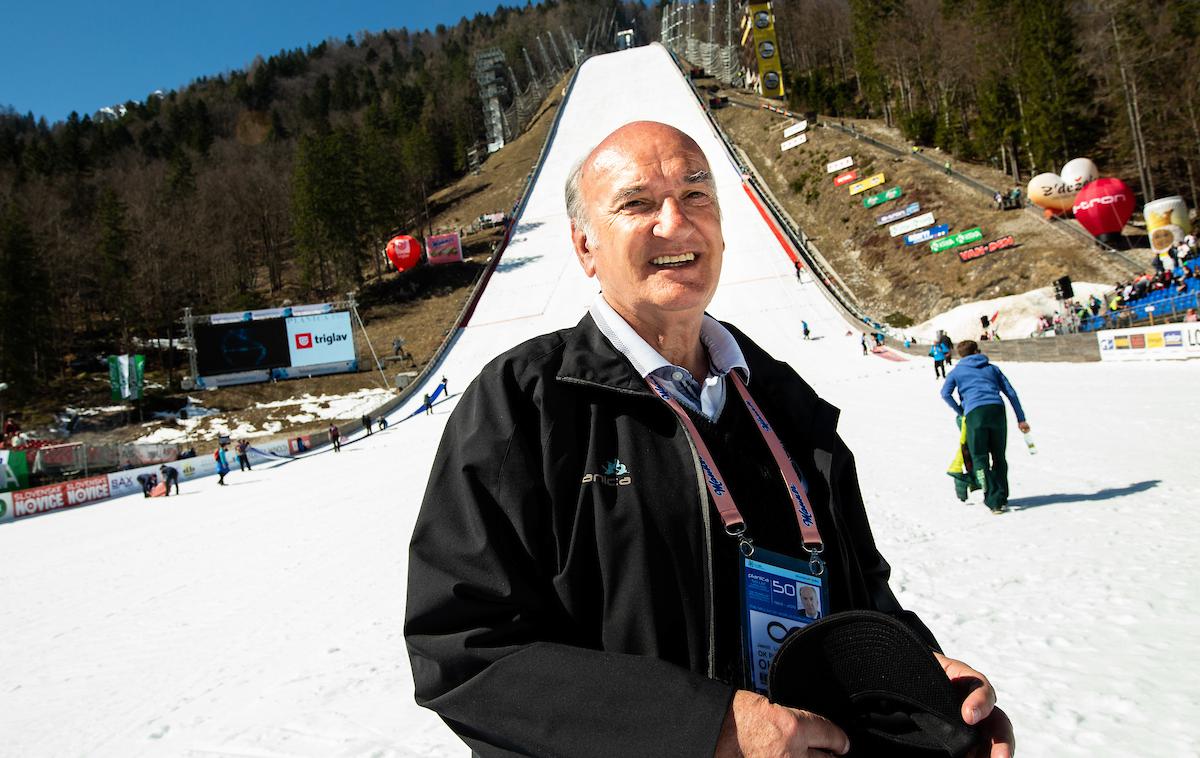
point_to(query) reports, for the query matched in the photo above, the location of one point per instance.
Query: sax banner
(845, 178)
(912, 224)
(932, 233)
(898, 214)
(868, 183)
(839, 164)
(795, 129)
(873, 200)
(794, 142)
(953, 241)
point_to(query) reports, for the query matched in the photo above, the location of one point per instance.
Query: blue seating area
(1167, 303)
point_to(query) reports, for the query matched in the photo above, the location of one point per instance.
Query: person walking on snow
(335, 436)
(864, 343)
(428, 405)
(804, 327)
(979, 385)
(945, 341)
(243, 455)
(938, 353)
(222, 458)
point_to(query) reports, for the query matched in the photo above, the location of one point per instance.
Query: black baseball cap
(878, 681)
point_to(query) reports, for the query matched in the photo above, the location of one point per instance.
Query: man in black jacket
(571, 589)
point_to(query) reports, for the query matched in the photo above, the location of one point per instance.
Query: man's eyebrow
(700, 177)
(630, 191)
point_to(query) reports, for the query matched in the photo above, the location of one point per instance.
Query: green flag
(14, 470)
(126, 375)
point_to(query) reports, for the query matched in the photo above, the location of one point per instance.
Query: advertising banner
(14, 470)
(868, 183)
(444, 248)
(126, 375)
(794, 142)
(6, 513)
(932, 233)
(954, 240)
(55, 497)
(873, 200)
(320, 339)
(241, 346)
(845, 178)
(1166, 222)
(978, 251)
(1163, 342)
(839, 164)
(912, 224)
(898, 214)
(795, 129)
(770, 74)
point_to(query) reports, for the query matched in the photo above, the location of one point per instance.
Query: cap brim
(877, 680)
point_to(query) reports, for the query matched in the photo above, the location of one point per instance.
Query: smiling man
(606, 498)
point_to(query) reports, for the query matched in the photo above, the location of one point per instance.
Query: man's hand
(979, 708)
(1023, 426)
(755, 727)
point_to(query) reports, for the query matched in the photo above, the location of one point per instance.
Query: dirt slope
(886, 276)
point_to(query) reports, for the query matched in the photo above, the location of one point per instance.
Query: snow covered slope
(264, 618)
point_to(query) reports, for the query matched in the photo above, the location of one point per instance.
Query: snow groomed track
(264, 618)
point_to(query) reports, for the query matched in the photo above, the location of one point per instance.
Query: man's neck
(676, 338)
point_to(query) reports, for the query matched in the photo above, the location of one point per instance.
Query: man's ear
(583, 250)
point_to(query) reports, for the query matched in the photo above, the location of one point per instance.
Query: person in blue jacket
(979, 386)
(938, 353)
(221, 455)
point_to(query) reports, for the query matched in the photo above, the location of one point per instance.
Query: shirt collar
(724, 353)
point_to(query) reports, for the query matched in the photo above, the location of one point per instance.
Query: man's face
(655, 229)
(809, 598)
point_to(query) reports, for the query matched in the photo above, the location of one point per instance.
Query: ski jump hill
(264, 618)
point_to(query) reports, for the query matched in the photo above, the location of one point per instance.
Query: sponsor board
(6, 513)
(795, 129)
(839, 164)
(912, 224)
(794, 142)
(899, 213)
(845, 178)
(954, 240)
(873, 200)
(327, 338)
(54, 497)
(932, 233)
(868, 183)
(978, 251)
(444, 248)
(1162, 342)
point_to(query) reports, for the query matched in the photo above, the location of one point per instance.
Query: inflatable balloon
(1050, 192)
(1104, 206)
(1079, 172)
(1166, 222)
(403, 251)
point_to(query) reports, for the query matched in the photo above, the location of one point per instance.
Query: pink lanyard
(731, 517)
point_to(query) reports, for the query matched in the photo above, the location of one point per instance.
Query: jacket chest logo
(616, 474)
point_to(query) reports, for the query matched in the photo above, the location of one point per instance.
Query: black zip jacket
(560, 585)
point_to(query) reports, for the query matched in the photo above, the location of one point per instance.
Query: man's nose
(672, 220)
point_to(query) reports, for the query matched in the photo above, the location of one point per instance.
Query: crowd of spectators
(1178, 276)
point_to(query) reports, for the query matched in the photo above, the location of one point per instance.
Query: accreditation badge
(779, 595)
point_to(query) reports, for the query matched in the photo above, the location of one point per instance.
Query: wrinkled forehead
(664, 157)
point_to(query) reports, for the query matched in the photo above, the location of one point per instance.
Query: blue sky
(56, 57)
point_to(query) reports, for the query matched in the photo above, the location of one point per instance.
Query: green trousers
(987, 435)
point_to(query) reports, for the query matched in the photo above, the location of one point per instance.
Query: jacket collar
(589, 357)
